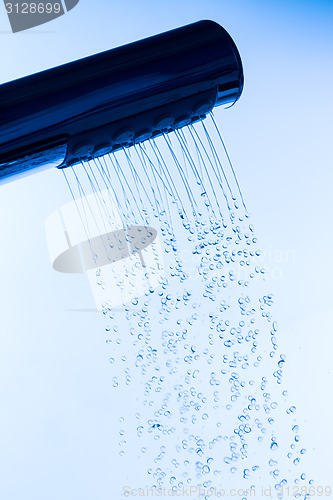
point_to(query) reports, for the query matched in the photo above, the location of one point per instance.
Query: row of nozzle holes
(127, 137)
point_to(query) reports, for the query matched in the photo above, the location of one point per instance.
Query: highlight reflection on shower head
(102, 103)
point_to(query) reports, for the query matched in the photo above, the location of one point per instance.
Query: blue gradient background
(56, 417)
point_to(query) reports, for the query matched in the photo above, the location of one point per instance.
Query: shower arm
(96, 105)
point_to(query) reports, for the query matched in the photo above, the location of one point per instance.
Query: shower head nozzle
(96, 105)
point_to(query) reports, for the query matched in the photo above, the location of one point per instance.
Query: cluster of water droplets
(197, 357)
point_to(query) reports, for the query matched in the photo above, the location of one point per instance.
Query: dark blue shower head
(114, 99)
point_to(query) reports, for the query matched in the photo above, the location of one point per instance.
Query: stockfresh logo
(28, 14)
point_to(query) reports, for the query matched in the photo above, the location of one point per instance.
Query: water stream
(195, 351)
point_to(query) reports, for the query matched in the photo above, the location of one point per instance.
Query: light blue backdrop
(56, 440)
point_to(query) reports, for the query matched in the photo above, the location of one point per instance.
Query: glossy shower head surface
(105, 102)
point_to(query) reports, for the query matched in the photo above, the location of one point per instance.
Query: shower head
(96, 105)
